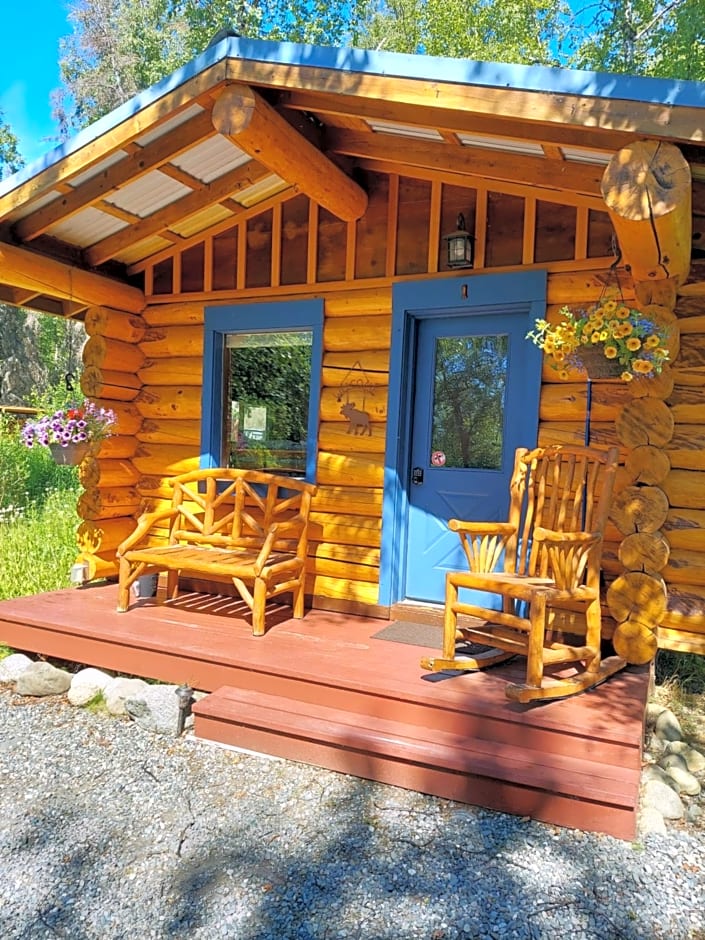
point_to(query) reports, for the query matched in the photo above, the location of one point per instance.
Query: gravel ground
(111, 832)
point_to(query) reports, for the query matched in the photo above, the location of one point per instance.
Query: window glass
(267, 390)
(469, 391)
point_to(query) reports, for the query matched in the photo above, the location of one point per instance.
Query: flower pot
(69, 455)
(597, 365)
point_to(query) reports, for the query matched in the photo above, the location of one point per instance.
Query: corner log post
(647, 188)
(253, 125)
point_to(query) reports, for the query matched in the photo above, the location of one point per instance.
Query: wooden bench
(246, 526)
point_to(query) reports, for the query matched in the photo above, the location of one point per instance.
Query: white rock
(661, 797)
(687, 783)
(653, 710)
(86, 684)
(119, 689)
(654, 772)
(694, 759)
(668, 727)
(42, 678)
(13, 666)
(156, 709)
(650, 820)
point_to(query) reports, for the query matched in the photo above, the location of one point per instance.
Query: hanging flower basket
(607, 340)
(69, 455)
(70, 432)
(597, 365)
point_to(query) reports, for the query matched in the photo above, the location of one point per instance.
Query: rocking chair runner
(544, 564)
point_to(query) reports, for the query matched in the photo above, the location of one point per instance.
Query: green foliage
(687, 670)
(5, 651)
(38, 548)
(28, 476)
(10, 158)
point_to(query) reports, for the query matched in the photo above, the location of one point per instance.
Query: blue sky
(29, 53)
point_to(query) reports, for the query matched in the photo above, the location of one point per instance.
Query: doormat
(424, 634)
(414, 634)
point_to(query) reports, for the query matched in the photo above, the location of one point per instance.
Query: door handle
(417, 476)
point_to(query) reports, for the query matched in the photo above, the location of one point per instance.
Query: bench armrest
(295, 526)
(568, 554)
(145, 522)
(483, 542)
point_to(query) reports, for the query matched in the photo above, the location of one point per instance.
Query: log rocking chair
(543, 566)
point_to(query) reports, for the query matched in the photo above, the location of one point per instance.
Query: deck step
(495, 774)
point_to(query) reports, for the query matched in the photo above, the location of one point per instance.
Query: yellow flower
(633, 343)
(610, 352)
(595, 338)
(651, 342)
(609, 306)
(622, 312)
(626, 376)
(642, 366)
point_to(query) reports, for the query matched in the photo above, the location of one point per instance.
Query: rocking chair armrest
(481, 528)
(552, 537)
(143, 525)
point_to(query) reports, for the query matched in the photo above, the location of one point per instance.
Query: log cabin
(271, 197)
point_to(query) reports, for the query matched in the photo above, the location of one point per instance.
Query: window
(261, 387)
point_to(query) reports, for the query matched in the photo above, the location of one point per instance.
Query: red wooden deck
(326, 691)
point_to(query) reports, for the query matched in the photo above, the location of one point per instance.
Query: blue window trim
(411, 301)
(256, 318)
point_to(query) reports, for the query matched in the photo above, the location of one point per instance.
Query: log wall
(149, 370)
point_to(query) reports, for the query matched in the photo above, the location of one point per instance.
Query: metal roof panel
(86, 227)
(211, 158)
(148, 194)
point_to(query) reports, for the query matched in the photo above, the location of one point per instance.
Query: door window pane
(267, 388)
(468, 401)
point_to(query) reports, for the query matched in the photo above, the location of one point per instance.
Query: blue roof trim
(535, 78)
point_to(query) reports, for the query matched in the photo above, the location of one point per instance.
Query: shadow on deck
(327, 691)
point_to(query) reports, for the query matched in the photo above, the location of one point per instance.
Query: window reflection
(469, 400)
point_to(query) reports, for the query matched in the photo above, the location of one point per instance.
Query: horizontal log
(28, 269)
(116, 324)
(568, 401)
(647, 464)
(639, 509)
(343, 570)
(692, 324)
(685, 567)
(688, 404)
(372, 402)
(355, 554)
(178, 370)
(685, 528)
(107, 473)
(335, 439)
(170, 431)
(685, 489)
(361, 592)
(117, 447)
(170, 401)
(639, 596)
(106, 353)
(579, 287)
(374, 302)
(685, 608)
(336, 469)
(356, 369)
(686, 449)
(94, 504)
(357, 333)
(100, 537)
(170, 459)
(344, 529)
(127, 417)
(99, 566)
(645, 421)
(186, 313)
(691, 354)
(601, 434)
(161, 342)
(114, 386)
(681, 641)
(644, 551)
(362, 500)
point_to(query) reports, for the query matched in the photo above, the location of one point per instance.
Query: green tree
(10, 158)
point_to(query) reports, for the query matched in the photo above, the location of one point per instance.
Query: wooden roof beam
(224, 186)
(648, 191)
(476, 161)
(244, 117)
(52, 278)
(137, 164)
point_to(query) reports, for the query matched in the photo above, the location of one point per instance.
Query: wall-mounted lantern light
(460, 245)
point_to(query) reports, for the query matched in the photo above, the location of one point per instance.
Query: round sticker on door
(438, 458)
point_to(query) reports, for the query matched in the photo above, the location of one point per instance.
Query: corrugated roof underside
(146, 195)
(211, 159)
(87, 227)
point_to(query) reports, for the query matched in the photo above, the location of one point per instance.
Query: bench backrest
(226, 506)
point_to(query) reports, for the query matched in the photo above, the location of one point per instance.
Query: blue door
(475, 401)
